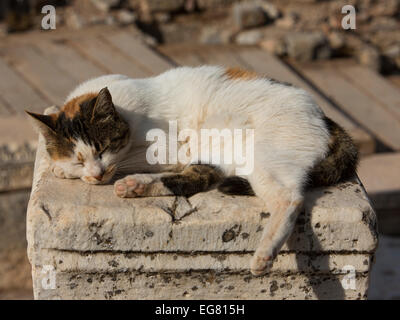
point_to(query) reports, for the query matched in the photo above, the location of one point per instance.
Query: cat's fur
(101, 130)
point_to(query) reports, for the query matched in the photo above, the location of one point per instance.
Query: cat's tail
(340, 163)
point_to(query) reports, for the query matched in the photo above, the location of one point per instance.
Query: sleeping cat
(100, 133)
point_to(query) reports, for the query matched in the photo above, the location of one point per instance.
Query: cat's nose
(99, 177)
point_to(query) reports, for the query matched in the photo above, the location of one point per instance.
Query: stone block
(380, 174)
(307, 46)
(248, 15)
(17, 152)
(163, 5)
(15, 270)
(85, 243)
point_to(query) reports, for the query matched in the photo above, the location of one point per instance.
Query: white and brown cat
(101, 131)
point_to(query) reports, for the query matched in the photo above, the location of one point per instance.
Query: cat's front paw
(131, 186)
(58, 172)
(260, 265)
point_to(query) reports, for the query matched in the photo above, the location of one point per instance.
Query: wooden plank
(181, 56)
(16, 129)
(264, 63)
(395, 79)
(356, 103)
(375, 86)
(143, 56)
(41, 73)
(222, 57)
(102, 54)
(4, 108)
(17, 93)
(380, 175)
(70, 61)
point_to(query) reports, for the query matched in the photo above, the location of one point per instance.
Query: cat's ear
(45, 123)
(103, 106)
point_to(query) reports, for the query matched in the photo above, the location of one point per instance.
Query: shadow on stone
(314, 247)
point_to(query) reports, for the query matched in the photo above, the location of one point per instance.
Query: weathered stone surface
(288, 21)
(95, 245)
(274, 46)
(197, 285)
(126, 17)
(380, 174)
(336, 40)
(370, 57)
(81, 219)
(385, 275)
(270, 9)
(249, 37)
(209, 4)
(214, 35)
(14, 266)
(17, 151)
(164, 262)
(18, 144)
(248, 15)
(162, 5)
(74, 20)
(15, 176)
(306, 46)
(105, 5)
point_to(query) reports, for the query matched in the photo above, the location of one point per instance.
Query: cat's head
(86, 138)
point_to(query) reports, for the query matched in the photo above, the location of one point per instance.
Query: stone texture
(162, 5)
(369, 56)
(97, 246)
(210, 4)
(248, 15)
(15, 176)
(306, 46)
(334, 219)
(274, 46)
(214, 35)
(270, 10)
(288, 21)
(385, 275)
(126, 17)
(17, 151)
(74, 20)
(18, 144)
(380, 174)
(249, 37)
(14, 266)
(197, 285)
(105, 5)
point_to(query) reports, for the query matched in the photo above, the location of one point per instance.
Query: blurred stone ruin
(301, 29)
(304, 30)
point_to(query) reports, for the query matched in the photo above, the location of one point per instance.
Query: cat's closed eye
(100, 154)
(78, 164)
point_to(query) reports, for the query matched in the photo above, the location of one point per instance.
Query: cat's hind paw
(129, 187)
(260, 266)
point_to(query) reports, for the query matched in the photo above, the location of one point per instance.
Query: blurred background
(353, 73)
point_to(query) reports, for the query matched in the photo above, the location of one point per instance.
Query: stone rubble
(373, 43)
